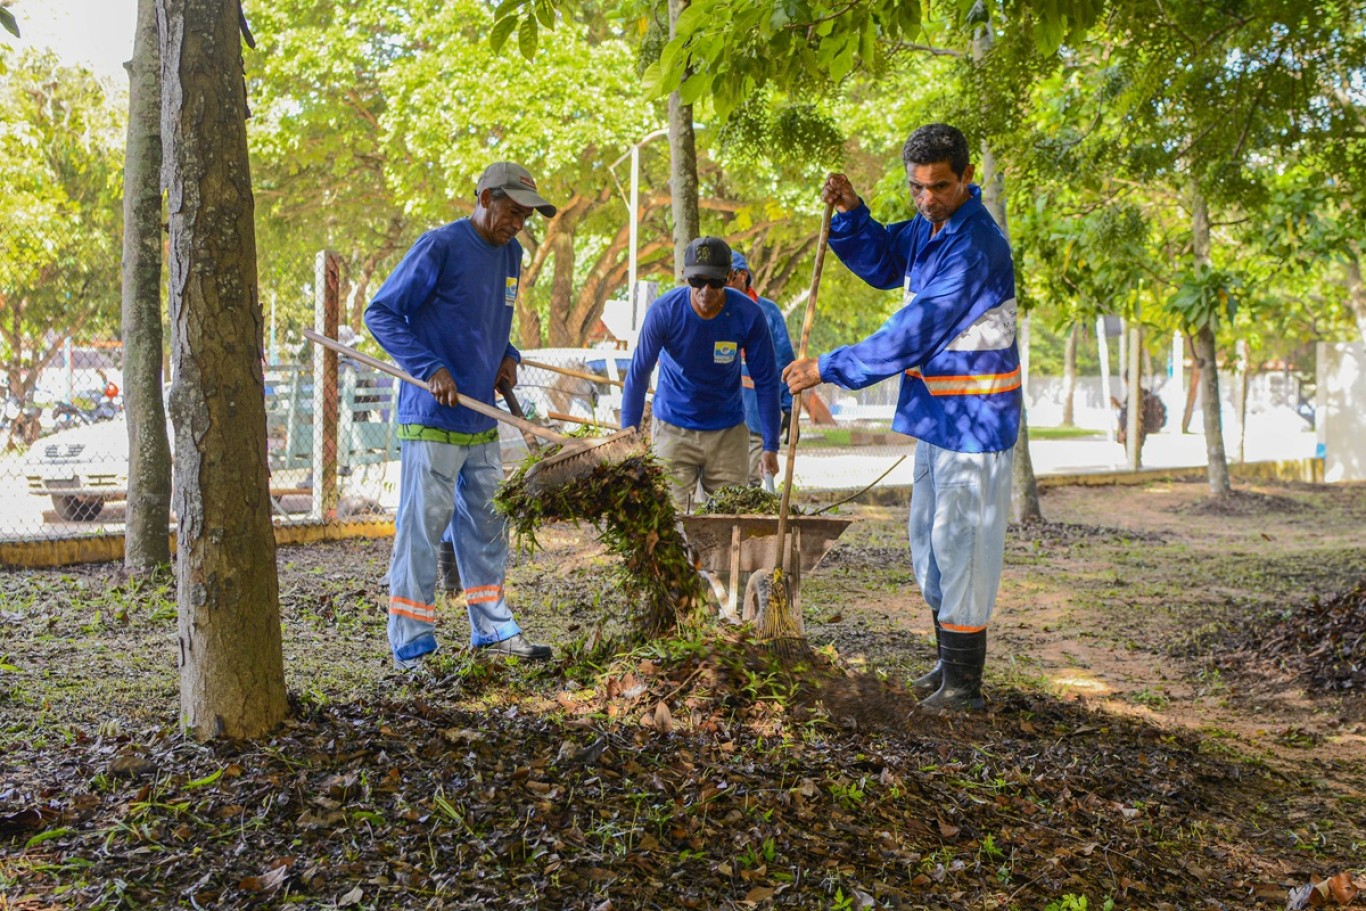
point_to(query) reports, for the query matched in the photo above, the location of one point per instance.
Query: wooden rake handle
(465, 401)
(794, 432)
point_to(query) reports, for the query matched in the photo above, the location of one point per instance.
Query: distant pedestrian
(953, 342)
(445, 315)
(741, 280)
(697, 334)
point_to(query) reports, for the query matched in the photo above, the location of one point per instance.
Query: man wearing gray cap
(445, 314)
(696, 334)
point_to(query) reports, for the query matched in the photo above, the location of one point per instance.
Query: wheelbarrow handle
(465, 401)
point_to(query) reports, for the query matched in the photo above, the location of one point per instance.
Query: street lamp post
(633, 205)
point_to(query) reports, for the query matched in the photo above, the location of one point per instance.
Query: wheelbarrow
(729, 545)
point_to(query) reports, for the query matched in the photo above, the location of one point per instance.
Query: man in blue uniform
(953, 342)
(741, 281)
(445, 315)
(697, 334)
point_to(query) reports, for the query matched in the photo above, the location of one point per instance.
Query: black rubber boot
(447, 572)
(928, 684)
(963, 655)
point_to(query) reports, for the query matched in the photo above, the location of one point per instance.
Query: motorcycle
(91, 407)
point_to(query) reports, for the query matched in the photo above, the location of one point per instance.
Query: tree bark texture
(682, 163)
(146, 534)
(1206, 359)
(1069, 376)
(231, 666)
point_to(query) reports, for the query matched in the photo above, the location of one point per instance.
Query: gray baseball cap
(517, 182)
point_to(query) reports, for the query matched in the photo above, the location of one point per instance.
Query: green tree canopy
(61, 166)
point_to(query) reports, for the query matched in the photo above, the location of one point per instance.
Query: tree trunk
(1024, 484)
(231, 666)
(562, 292)
(1069, 376)
(1206, 359)
(146, 534)
(1356, 289)
(682, 163)
(1024, 487)
(1192, 389)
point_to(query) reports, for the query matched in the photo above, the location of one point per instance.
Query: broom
(778, 623)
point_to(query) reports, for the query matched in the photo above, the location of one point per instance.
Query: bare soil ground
(1175, 721)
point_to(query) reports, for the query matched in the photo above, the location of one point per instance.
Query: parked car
(86, 466)
(81, 468)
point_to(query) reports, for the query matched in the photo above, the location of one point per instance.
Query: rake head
(579, 457)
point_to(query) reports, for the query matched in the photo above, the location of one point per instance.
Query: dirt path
(1123, 600)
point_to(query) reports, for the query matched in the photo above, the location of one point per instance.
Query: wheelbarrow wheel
(759, 595)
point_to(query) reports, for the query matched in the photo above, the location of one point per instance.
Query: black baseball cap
(517, 182)
(707, 257)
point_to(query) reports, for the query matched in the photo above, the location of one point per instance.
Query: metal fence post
(326, 307)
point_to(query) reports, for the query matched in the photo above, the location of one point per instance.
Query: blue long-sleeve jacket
(449, 303)
(953, 338)
(782, 347)
(699, 365)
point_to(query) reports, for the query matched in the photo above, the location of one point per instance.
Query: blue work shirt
(699, 365)
(782, 348)
(449, 303)
(953, 340)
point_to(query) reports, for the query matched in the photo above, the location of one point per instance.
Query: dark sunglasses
(698, 281)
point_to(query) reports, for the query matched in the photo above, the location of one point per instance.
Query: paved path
(852, 469)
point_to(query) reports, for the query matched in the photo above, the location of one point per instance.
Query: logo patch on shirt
(724, 352)
(510, 291)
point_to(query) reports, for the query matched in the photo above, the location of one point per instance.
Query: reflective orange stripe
(413, 610)
(483, 594)
(962, 629)
(981, 384)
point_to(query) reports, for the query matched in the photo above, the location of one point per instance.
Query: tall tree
(682, 158)
(146, 539)
(59, 140)
(231, 663)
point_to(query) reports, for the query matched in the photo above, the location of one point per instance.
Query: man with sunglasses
(445, 314)
(696, 334)
(953, 343)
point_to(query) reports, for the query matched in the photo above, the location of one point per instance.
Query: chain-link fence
(64, 470)
(334, 463)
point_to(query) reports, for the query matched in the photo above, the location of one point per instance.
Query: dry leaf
(1342, 888)
(758, 894)
(268, 883)
(351, 898)
(948, 829)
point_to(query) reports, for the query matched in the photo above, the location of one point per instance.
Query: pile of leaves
(746, 501)
(1323, 641)
(629, 502)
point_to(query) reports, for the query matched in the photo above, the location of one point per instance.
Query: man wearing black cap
(696, 334)
(445, 315)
